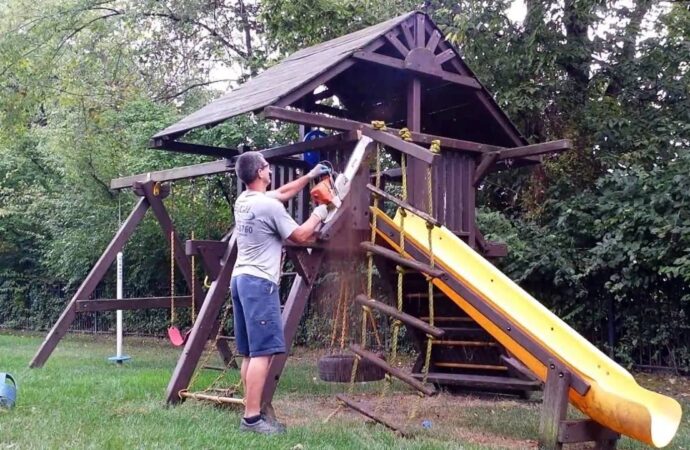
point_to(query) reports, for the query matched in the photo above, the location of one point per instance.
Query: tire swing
(336, 367)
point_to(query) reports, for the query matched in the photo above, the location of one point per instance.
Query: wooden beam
(404, 318)
(305, 89)
(420, 32)
(488, 159)
(111, 304)
(212, 398)
(368, 413)
(433, 40)
(396, 63)
(397, 373)
(335, 123)
(407, 33)
(276, 155)
(409, 148)
(444, 56)
(392, 37)
(536, 149)
(178, 173)
(403, 204)
(188, 147)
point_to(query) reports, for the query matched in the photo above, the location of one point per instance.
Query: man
(262, 224)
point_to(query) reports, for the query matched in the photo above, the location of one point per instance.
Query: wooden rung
(399, 374)
(451, 365)
(405, 318)
(226, 338)
(424, 295)
(403, 204)
(113, 304)
(449, 319)
(480, 381)
(219, 369)
(464, 343)
(212, 398)
(401, 260)
(368, 413)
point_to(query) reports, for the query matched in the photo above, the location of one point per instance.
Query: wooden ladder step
(226, 338)
(399, 374)
(465, 343)
(452, 365)
(368, 413)
(424, 295)
(402, 261)
(405, 318)
(448, 319)
(212, 398)
(479, 381)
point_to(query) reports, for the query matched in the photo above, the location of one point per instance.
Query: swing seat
(176, 337)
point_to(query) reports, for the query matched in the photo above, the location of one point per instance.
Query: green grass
(79, 400)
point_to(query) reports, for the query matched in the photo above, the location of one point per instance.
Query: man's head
(252, 167)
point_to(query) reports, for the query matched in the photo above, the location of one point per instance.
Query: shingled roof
(304, 66)
(281, 79)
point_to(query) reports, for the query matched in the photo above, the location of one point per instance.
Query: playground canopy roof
(449, 108)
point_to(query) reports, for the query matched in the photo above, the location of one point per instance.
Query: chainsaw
(332, 189)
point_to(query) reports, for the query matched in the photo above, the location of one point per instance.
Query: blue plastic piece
(119, 359)
(312, 158)
(426, 424)
(8, 392)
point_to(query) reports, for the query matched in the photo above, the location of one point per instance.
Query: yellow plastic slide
(614, 399)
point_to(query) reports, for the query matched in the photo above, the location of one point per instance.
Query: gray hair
(248, 165)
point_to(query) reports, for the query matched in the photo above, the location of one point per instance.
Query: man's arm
(289, 190)
(305, 232)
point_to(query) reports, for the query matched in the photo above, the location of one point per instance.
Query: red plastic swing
(177, 338)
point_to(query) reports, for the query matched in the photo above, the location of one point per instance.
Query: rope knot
(405, 134)
(378, 124)
(435, 146)
(400, 270)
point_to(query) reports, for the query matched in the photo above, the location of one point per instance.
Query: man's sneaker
(273, 421)
(262, 426)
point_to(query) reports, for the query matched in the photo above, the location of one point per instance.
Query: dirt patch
(444, 414)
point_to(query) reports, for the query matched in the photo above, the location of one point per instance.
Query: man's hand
(318, 170)
(321, 212)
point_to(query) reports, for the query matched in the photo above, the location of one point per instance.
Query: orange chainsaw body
(323, 193)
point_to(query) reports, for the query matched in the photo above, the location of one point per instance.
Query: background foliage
(599, 234)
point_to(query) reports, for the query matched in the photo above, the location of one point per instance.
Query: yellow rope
(435, 146)
(378, 125)
(405, 134)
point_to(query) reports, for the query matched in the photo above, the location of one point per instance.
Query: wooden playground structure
(444, 133)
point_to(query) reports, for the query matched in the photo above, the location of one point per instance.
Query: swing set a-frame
(435, 122)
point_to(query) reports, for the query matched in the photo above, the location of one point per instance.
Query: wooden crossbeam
(404, 318)
(536, 149)
(368, 413)
(401, 260)
(399, 144)
(276, 155)
(403, 204)
(436, 72)
(397, 373)
(452, 365)
(112, 304)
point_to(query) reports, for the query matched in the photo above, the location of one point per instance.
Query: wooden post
(555, 406)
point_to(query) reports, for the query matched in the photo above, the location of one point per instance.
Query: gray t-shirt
(261, 224)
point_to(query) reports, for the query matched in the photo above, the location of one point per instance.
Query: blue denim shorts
(257, 320)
